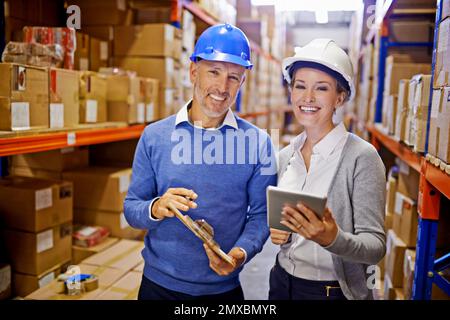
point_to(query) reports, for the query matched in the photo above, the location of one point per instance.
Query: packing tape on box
(77, 285)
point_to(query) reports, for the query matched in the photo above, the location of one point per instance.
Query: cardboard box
(34, 253)
(54, 160)
(35, 173)
(24, 101)
(163, 69)
(104, 12)
(125, 101)
(82, 52)
(124, 255)
(106, 277)
(438, 140)
(24, 284)
(133, 40)
(99, 188)
(33, 205)
(64, 98)
(442, 68)
(115, 222)
(391, 189)
(5, 281)
(408, 279)
(117, 154)
(80, 253)
(395, 71)
(395, 252)
(402, 109)
(408, 181)
(93, 90)
(255, 29)
(127, 288)
(405, 220)
(411, 31)
(389, 290)
(445, 9)
(99, 53)
(151, 99)
(152, 15)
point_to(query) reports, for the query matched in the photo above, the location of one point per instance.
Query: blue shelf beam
(424, 266)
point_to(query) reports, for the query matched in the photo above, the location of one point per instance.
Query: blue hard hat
(223, 42)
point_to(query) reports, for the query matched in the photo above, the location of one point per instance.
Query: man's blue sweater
(230, 181)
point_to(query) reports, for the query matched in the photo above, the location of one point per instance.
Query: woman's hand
(279, 236)
(304, 221)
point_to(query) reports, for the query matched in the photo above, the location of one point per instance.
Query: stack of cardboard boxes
(401, 225)
(115, 268)
(37, 215)
(24, 102)
(99, 193)
(398, 67)
(438, 140)
(158, 59)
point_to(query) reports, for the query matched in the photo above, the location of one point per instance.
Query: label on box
(56, 115)
(398, 203)
(71, 138)
(403, 167)
(45, 280)
(150, 114)
(169, 97)
(103, 50)
(43, 199)
(44, 241)
(20, 115)
(141, 112)
(123, 221)
(169, 67)
(91, 110)
(5, 276)
(124, 183)
(84, 64)
(169, 33)
(435, 103)
(67, 150)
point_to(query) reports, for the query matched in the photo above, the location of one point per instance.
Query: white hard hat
(323, 52)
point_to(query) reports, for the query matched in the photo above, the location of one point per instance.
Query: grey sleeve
(367, 244)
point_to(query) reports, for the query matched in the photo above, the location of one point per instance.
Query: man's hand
(220, 266)
(279, 236)
(177, 196)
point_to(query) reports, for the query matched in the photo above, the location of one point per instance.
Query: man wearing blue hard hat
(190, 161)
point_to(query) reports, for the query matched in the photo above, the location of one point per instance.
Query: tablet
(277, 198)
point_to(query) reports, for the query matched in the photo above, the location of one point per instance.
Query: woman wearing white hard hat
(329, 257)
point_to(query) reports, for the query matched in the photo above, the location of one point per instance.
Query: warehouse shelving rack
(19, 144)
(434, 183)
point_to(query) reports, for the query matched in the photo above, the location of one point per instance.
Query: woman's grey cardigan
(356, 197)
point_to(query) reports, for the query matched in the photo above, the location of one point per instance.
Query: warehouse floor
(255, 276)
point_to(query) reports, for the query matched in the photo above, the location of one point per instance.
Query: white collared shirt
(183, 116)
(306, 259)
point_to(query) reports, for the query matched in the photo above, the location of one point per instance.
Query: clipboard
(203, 231)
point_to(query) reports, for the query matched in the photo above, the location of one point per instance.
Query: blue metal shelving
(427, 269)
